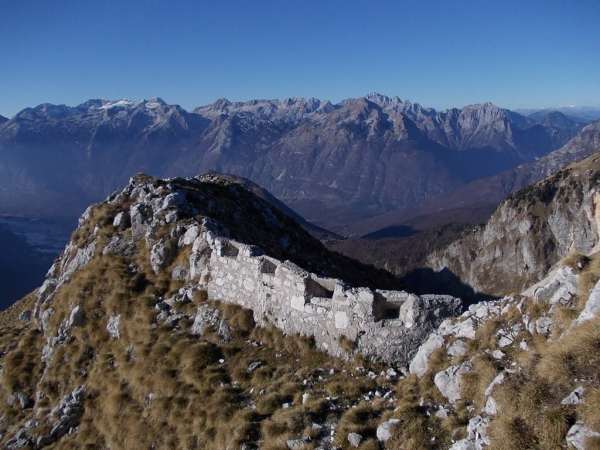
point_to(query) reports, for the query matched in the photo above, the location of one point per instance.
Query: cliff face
(529, 232)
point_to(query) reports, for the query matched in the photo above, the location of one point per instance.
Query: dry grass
(588, 278)
(478, 379)
(531, 415)
(161, 388)
(347, 344)
(362, 419)
(575, 261)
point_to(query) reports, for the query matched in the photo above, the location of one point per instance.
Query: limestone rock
(206, 317)
(418, 365)
(296, 444)
(64, 416)
(558, 287)
(578, 434)
(574, 398)
(529, 233)
(354, 439)
(386, 429)
(161, 254)
(592, 306)
(448, 381)
(180, 273)
(543, 325)
(457, 348)
(112, 326)
(122, 220)
(76, 317)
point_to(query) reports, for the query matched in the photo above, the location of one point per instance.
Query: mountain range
(333, 163)
(580, 113)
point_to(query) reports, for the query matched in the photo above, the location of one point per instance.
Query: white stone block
(341, 320)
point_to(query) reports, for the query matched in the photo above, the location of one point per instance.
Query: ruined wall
(160, 220)
(386, 325)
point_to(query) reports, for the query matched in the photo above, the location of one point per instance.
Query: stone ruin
(381, 324)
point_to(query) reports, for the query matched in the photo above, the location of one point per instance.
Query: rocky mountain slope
(496, 188)
(148, 267)
(529, 232)
(307, 152)
(190, 313)
(486, 193)
(318, 232)
(520, 371)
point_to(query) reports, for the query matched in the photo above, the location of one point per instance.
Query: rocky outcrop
(484, 342)
(529, 232)
(44, 431)
(196, 218)
(592, 306)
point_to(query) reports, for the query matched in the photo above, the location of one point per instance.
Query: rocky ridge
(154, 258)
(248, 257)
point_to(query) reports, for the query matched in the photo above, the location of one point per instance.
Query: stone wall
(385, 325)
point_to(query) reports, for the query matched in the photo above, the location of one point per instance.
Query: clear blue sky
(439, 53)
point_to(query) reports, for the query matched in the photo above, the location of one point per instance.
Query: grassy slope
(162, 387)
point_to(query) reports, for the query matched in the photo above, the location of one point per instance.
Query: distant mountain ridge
(332, 163)
(485, 193)
(583, 113)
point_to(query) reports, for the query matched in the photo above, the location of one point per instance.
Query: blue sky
(438, 53)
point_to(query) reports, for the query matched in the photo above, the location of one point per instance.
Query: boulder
(206, 317)
(161, 255)
(76, 317)
(578, 435)
(592, 306)
(354, 439)
(296, 444)
(448, 381)
(560, 286)
(574, 398)
(386, 429)
(122, 220)
(419, 363)
(457, 348)
(112, 326)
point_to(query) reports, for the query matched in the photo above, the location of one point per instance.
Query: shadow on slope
(22, 268)
(427, 281)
